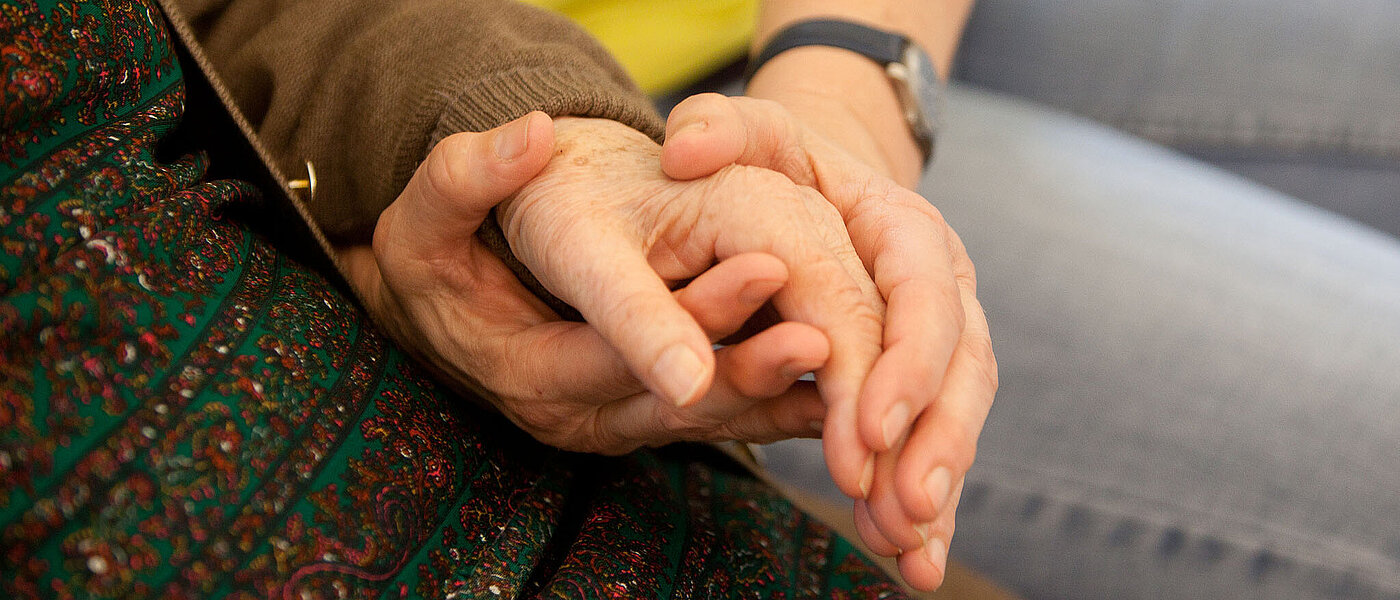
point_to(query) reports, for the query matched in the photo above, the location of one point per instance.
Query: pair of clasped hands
(744, 207)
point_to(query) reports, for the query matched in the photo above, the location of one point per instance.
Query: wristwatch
(909, 68)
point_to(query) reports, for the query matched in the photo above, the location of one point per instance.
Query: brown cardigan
(364, 88)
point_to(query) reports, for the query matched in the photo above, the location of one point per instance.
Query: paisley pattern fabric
(186, 412)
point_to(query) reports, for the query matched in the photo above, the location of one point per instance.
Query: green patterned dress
(185, 411)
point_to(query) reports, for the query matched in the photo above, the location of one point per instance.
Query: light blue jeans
(1301, 95)
(1200, 376)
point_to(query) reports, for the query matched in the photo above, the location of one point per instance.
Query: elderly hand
(922, 407)
(449, 300)
(604, 229)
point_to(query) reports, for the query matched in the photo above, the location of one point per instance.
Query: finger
(943, 443)
(703, 135)
(761, 368)
(563, 361)
(726, 295)
(795, 413)
(853, 328)
(769, 362)
(870, 534)
(462, 178)
(904, 238)
(829, 288)
(706, 132)
(885, 510)
(926, 568)
(645, 420)
(853, 471)
(616, 289)
(815, 295)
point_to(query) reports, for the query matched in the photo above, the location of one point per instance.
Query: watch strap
(880, 46)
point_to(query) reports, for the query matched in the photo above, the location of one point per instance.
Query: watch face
(927, 87)
(930, 89)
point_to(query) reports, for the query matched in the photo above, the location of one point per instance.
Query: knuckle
(383, 241)
(863, 315)
(961, 450)
(873, 200)
(546, 420)
(597, 437)
(629, 306)
(703, 102)
(857, 310)
(984, 363)
(754, 200)
(942, 529)
(757, 433)
(955, 243)
(755, 179)
(952, 307)
(684, 425)
(482, 359)
(730, 432)
(963, 268)
(450, 164)
(547, 241)
(912, 200)
(965, 275)
(586, 432)
(931, 212)
(822, 210)
(750, 386)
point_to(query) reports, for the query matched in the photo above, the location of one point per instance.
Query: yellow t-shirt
(665, 44)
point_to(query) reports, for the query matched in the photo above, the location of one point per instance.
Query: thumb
(465, 176)
(707, 132)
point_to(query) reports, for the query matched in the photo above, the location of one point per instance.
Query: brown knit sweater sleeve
(364, 88)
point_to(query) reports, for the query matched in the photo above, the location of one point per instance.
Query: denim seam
(1195, 131)
(1241, 532)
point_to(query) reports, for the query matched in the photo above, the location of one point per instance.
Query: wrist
(848, 99)
(569, 132)
(580, 143)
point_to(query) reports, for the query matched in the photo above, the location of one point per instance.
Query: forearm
(847, 97)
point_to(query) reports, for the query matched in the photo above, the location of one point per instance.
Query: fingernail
(512, 140)
(893, 425)
(923, 530)
(937, 553)
(679, 372)
(817, 426)
(794, 369)
(867, 476)
(692, 128)
(938, 484)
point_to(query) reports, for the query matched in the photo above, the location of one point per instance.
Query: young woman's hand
(916, 420)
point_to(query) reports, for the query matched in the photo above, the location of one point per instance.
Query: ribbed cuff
(509, 95)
